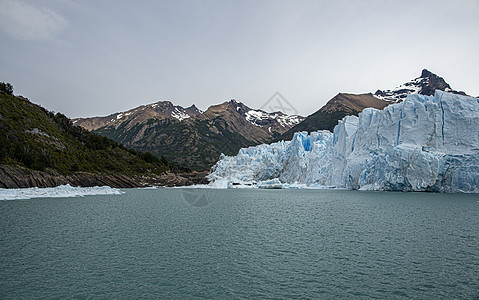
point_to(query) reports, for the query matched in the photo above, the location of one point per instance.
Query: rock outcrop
(16, 177)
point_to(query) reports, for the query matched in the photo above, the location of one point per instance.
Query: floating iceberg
(425, 143)
(56, 192)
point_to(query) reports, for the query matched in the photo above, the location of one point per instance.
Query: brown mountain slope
(353, 103)
(337, 108)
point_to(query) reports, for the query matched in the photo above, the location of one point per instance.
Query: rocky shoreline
(16, 177)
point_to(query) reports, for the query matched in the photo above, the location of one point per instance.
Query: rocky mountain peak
(239, 106)
(159, 110)
(426, 84)
(432, 83)
(426, 73)
(272, 122)
(193, 111)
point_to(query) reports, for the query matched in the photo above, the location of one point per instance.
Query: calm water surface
(246, 244)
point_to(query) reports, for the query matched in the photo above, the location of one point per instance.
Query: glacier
(425, 143)
(62, 191)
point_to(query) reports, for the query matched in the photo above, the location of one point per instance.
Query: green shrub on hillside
(32, 137)
(6, 88)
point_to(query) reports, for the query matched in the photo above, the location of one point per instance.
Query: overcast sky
(95, 57)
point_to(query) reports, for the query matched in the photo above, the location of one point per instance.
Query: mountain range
(188, 136)
(195, 139)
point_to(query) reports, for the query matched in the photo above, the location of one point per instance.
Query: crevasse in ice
(425, 143)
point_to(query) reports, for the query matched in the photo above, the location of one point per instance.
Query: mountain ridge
(195, 141)
(160, 109)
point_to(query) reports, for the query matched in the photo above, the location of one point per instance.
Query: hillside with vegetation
(33, 138)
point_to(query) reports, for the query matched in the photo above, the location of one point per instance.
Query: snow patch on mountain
(163, 108)
(426, 84)
(425, 143)
(179, 114)
(289, 121)
(401, 92)
(257, 118)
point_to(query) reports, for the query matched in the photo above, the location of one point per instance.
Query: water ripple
(246, 244)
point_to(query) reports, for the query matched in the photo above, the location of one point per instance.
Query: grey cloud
(118, 54)
(23, 21)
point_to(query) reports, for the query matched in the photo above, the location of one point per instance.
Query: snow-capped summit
(157, 110)
(255, 124)
(261, 118)
(265, 119)
(426, 84)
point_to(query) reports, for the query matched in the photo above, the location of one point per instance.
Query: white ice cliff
(426, 143)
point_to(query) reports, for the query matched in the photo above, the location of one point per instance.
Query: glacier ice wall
(425, 143)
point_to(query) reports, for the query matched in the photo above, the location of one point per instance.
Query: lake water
(241, 244)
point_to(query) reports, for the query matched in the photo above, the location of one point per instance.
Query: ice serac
(425, 143)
